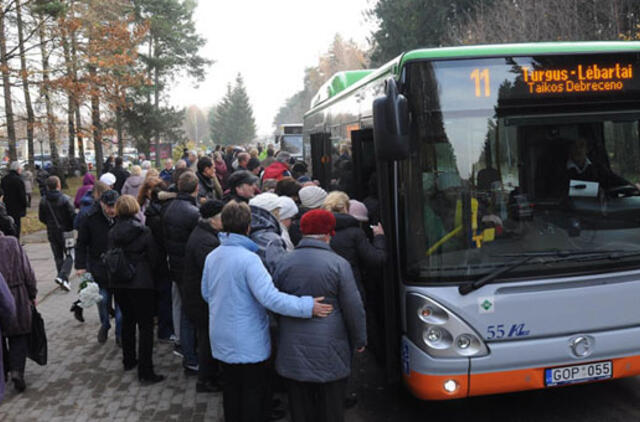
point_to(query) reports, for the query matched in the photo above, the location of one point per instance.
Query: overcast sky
(270, 43)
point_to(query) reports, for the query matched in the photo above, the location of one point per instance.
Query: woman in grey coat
(7, 314)
(314, 355)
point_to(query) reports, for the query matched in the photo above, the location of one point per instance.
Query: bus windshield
(517, 157)
(292, 144)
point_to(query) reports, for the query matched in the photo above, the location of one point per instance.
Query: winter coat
(239, 290)
(41, 179)
(7, 315)
(85, 205)
(121, 176)
(27, 177)
(294, 231)
(15, 195)
(87, 184)
(179, 219)
(319, 349)
(7, 225)
(57, 213)
(132, 185)
(137, 242)
(17, 271)
(222, 173)
(266, 233)
(208, 188)
(276, 170)
(167, 176)
(93, 241)
(202, 241)
(351, 243)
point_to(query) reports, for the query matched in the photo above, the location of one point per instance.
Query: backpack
(119, 269)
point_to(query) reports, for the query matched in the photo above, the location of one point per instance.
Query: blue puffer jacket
(239, 290)
(85, 205)
(319, 349)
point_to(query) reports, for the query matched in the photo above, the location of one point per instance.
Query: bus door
(364, 164)
(321, 158)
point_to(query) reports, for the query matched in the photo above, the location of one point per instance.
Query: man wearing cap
(93, 236)
(315, 356)
(242, 186)
(202, 241)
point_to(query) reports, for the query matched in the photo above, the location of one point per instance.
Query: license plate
(578, 373)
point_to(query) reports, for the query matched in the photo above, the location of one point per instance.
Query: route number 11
(478, 76)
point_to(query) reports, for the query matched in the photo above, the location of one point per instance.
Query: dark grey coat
(319, 349)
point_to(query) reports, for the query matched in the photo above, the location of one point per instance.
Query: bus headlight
(440, 332)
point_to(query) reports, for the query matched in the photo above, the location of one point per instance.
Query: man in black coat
(57, 212)
(242, 186)
(203, 240)
(208, 184)
(179, 219)
(121, 175)
(15, 194)
(92, 243)
(7, 226)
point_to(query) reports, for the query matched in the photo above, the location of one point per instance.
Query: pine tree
(233, 122)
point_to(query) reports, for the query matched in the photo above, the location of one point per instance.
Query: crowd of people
(251, 269)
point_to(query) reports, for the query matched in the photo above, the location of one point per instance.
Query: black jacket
(7, 225)
(92, 242)
(179, 219)
(56, 212)
(351, 243)
(206, 188)
(140, 249)
(15, 194)
(121, 176)
(203, 240)
(294, 231)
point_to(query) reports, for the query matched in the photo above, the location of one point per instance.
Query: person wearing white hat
(312, 197)
(108, 179)
(288, 210)
(265, 228)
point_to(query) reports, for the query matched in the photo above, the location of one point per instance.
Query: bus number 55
(495, 331)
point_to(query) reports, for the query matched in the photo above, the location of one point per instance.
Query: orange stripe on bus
(431, 387)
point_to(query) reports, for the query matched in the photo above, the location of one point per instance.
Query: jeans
(165, 317)
(103, 311)
(209, 367)
(61, 255)
(176, 309)
(188, 340)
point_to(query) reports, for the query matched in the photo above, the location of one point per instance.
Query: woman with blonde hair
(132, 184)
(136, 296)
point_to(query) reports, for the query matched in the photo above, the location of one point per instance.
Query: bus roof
(343, 83)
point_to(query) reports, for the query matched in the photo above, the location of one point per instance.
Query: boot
(18, 381)
(77, 311)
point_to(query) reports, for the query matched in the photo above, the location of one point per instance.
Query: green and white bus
(507, 179)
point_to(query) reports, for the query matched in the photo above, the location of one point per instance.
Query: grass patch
(31, 223)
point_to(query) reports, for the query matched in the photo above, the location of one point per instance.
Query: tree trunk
(95, 120)
(119, 131)
(76, 100)
(6, 82)
(25, 86)
(71, 128)
(51, 128)
(156, 101)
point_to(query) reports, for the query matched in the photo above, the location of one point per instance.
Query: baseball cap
(109, 198)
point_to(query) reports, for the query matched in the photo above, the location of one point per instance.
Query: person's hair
(188, 182)
(229, 150)
(253, 152)
(127, 206)
(236, 217)
(283, 157)
(204, 163)
(270, 152)
(244, 156)
(147, 187)
(181, 164)
(168, 160)
(98, 189)
(152, 173)
(15, 166)
(136, 171)
(268, 184)
(52, 182)
(288, 186)
(146, 164)
(118, 161)
(337, 201)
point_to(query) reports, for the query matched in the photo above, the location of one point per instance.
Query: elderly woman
(136, 297)
(16, 270)
(132, 184)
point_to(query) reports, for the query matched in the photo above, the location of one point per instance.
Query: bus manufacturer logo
(581, 346)
(486, 305)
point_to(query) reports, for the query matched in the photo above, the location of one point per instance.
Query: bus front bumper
(512, 366)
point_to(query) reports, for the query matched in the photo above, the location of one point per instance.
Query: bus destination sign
(588, 78)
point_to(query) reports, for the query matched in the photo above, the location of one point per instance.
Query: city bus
(289, 139)
(507, 179)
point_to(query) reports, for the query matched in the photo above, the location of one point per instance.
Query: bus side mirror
(391, 124)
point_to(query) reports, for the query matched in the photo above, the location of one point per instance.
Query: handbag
(119, 269)
(37, 348)
(69, 239)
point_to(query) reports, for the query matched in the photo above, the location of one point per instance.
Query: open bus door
(381, 287)
(321, 158)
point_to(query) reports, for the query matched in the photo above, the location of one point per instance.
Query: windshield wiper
(561, 255)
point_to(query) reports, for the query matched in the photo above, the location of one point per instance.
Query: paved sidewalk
(84, 381)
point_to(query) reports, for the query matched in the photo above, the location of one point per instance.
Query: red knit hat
(318, 222)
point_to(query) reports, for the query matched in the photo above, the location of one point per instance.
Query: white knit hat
(312, 196)
(268, 201)
(288, 208)
(108, 179)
